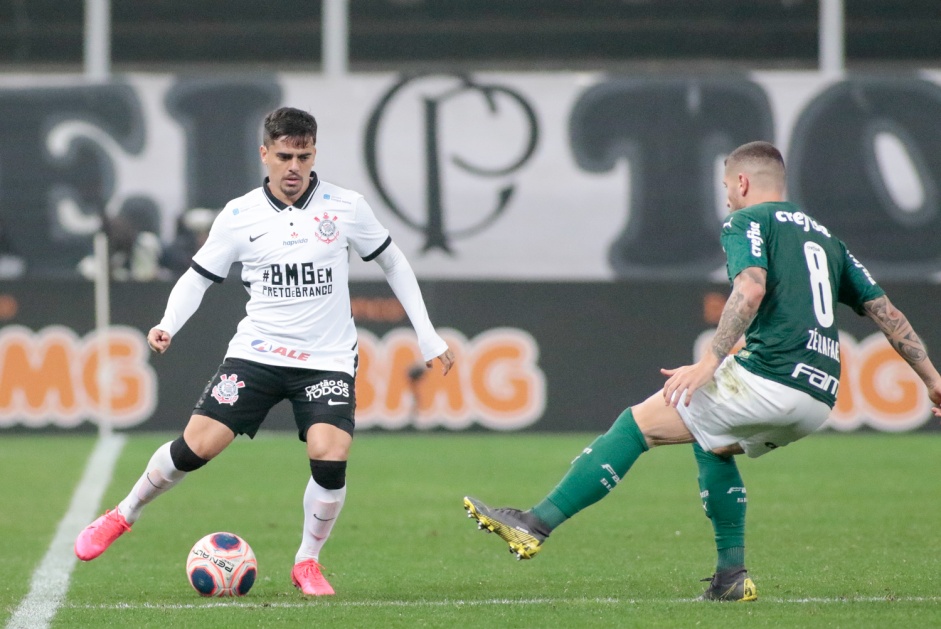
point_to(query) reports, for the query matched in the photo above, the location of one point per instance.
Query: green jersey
(794, 338)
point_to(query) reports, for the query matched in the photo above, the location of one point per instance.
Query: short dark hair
(291, 123)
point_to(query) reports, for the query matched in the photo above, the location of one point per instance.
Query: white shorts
(754, 412)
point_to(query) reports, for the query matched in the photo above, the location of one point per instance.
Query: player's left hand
(934, 393)
(447, 361)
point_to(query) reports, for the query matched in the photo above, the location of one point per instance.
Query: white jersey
(295, 264)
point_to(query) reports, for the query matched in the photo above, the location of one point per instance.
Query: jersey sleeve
(404, 284)
(369, 237)
(217, 254)
(857, 285)
(184, 299)
(743, 240)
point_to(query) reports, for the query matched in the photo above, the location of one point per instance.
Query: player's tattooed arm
(748, 290)
(901, 336)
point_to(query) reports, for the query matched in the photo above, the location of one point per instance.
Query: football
(221, 564)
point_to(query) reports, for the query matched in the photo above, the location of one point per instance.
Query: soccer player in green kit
(787, 272)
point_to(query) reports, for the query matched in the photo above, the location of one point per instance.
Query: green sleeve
(857, 286)
(743, 240)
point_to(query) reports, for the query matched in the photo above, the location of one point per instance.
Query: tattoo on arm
(737, 314)
(899, 332)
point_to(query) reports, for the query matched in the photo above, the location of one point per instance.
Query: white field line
(51, 579)
(243, 603)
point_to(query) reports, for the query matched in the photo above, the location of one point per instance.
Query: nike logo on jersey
(335, 403)
(254, 238)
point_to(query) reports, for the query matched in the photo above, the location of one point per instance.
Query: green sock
(595, 472)
(723, 498)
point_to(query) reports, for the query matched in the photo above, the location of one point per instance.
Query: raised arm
(902, 337)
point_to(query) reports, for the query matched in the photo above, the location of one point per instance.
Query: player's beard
(292, 189)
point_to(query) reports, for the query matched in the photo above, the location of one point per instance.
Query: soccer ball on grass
(222, 564)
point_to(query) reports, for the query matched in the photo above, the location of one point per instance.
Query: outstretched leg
(593, 474)
(167, 467)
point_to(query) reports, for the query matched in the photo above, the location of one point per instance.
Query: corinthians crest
(227, 391)
(326, 228)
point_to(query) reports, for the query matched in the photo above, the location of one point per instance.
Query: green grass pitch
(843, 531)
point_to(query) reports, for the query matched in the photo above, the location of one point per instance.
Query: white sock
(321, 509)
(160, 476)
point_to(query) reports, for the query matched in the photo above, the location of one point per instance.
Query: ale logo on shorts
(227, 391)
(327, 230)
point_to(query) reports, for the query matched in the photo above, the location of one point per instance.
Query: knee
(329, 443)
(328, 451)
(660, 424)
(183, 458)
(206, 436)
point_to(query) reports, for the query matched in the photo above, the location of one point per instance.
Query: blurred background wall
(551, 169)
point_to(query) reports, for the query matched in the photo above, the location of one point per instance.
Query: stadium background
(550, 171)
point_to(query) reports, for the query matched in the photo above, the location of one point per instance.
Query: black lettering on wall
(834, 172)
(223, 124)
(671, 132)
(51, 200)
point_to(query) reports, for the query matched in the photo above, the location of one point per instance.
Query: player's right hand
(683, 381)
(159, 340)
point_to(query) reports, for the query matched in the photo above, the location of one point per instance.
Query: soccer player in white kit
(298, 342)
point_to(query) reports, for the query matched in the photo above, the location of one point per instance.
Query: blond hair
(761, 161)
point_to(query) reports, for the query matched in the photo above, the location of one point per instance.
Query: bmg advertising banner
(550, 356)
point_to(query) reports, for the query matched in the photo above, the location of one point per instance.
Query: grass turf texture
(842, 532)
